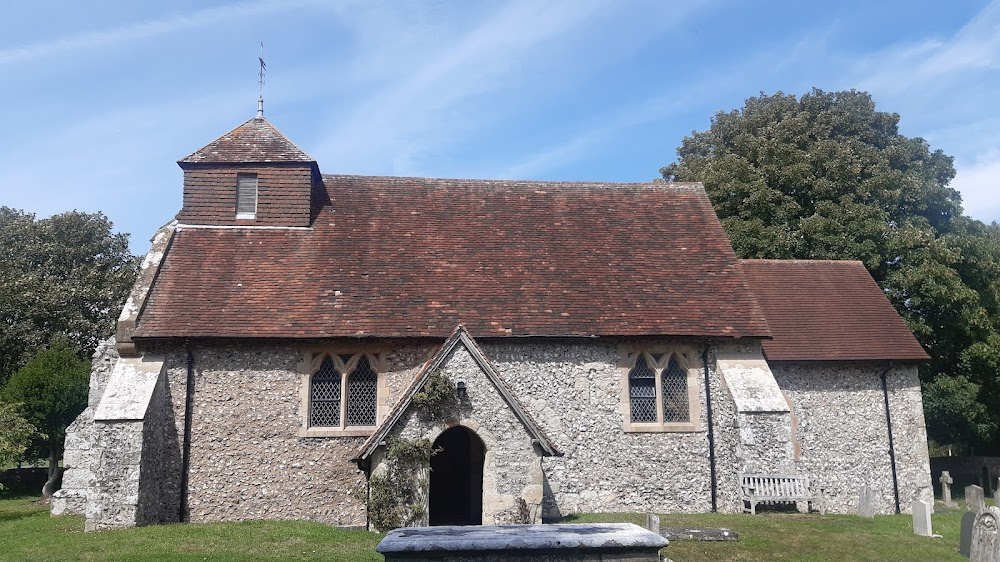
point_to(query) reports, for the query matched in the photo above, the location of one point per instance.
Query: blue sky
(100, 99)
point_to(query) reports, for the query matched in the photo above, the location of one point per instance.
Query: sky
(99, 99)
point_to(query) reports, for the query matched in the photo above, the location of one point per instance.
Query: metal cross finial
(260, 83)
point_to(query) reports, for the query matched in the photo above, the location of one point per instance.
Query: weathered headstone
(653, 523)
(965, 536)
(986, 536)
(946, 482)
(922, 518)
(974, 499)
(866, 501)
(996, 497)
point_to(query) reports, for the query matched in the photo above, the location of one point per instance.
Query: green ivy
(436, 396)
(396, 498)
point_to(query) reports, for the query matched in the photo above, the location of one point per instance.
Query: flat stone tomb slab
(705, 534)
(551, 543)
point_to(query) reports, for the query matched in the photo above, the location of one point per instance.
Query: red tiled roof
(828, 310)
(254, 141)
(396, 257)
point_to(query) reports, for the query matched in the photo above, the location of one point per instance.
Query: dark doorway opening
(456, 496)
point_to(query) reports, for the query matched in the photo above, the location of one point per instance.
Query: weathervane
(260, 83)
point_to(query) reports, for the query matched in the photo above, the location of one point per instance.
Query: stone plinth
(509, 543)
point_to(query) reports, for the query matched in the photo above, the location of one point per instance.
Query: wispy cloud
(979, 184)
(931, 62)
(406, 113)
(142, 30)
(494, 64)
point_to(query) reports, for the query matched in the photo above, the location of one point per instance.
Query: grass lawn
(807, 537)
(28, 533)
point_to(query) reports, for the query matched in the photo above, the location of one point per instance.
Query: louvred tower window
(246, 196)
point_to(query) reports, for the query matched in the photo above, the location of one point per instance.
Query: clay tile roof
(253, 141)
(401, 257)
(828, 310)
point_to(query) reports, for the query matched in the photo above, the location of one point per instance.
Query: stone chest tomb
(607, 350)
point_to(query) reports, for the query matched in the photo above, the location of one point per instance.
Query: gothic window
(674, 393)
(661, 393)
(642, 392)
(343, 392)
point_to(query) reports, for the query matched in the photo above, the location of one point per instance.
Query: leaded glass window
(325, 396)
(343, 392)
(674, 393)
(658, 389)
(642, 392)
(362, 386)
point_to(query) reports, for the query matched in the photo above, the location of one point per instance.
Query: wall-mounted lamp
(460, 391)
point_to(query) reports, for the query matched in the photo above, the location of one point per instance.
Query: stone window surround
(683, 355)
(309, 364)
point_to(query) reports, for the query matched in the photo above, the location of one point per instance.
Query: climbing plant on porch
(435, 397)
(397, 492)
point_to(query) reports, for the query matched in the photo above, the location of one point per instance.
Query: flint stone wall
(574, 390)
(842, 437)
(80, 455)
(136, 468)
(764, 444)
(249, 462)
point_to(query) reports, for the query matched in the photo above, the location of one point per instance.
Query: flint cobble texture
(843, 437)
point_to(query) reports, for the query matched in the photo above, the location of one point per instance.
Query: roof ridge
(656, 184)
(796, 260)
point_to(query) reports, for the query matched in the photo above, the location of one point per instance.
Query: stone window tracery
(661, 393)
(343, 392)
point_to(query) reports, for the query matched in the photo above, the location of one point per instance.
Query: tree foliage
(15, 435)
(68, 274)
(826, 176)
(52, 391)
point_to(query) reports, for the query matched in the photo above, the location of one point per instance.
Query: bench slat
(773, 488)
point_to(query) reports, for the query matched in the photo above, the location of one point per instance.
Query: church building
(606, 348)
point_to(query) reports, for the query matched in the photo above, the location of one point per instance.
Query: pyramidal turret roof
(254, 141)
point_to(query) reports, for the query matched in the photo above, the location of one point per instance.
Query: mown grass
(27, 532)
(806, 537)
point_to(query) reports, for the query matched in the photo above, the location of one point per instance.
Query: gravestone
(974, 500)
(996, 497)
(922, 518)
(986, 536)
(866, 501)
(946, 482)
(653, 523)
(965, 536)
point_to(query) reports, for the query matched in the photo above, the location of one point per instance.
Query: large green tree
(826, 176)
(67, 274)
(52, 391)
(15, 435)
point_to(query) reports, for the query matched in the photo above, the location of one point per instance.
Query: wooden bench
(778, 488)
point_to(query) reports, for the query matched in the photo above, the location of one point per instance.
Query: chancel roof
(414, 257)
(256, 140)
(828, 310)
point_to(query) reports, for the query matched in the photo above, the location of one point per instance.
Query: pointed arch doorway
(456, 487)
